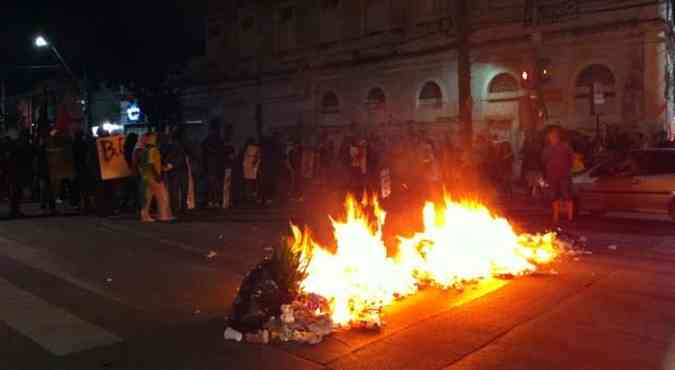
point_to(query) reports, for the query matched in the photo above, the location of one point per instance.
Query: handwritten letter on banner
(111, 157)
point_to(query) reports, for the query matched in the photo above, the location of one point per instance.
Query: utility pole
(3, 97)
(259, 77)
(464, 70)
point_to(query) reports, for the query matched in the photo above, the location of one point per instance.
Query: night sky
(115, 41)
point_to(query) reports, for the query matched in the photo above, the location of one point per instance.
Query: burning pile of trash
(305, 291)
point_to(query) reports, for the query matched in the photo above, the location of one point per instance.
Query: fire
(359, 279)
(462, 241)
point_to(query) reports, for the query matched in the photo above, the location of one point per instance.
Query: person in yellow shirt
(150, 169)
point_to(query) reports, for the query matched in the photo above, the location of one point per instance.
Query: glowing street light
(41, 42)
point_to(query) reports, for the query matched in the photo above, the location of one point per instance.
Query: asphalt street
(86, 293)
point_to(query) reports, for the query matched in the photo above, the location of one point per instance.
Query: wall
(348, 59)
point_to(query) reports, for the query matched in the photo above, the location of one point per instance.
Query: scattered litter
(231, 334)
(211, 254)
(261, 337)
(612, 247)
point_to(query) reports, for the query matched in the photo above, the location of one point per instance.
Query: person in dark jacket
(558, 160)
(19, 171)
(271, 168)
(176, 171)
(47, 196)
(130, 193)
(213, 161)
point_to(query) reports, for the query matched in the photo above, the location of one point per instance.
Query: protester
(5, 152)
(150, 168)
(372, 175)
(270, 169)
(532, 166)
(85, 170)
(213, 157)
(20, 165)
(47, 197)
(358, 157)
(251, 167)
(176, 171)
(295, 171)
(229, 173)
(558, 160)
(428, 169)
(505, 168)
(130, 194)
(326, 159)
(136, 157)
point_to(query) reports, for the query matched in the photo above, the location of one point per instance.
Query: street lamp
(42, 42)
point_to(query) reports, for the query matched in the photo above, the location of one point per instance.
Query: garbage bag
(259, 298)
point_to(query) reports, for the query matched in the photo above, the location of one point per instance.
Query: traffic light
(544, 70)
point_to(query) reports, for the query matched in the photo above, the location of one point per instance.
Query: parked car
(641, 181)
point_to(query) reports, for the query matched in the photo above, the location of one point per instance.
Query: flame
(462, 241)
(359, 278)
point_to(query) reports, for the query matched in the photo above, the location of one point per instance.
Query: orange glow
(460, 242)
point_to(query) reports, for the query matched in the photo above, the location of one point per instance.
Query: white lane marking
(40, 260)
(53, 328)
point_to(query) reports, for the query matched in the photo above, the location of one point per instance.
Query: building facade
(321, 65)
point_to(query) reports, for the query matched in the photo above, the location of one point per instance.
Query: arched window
(330, 103)
(595, 73)
(376, 98)
(595, 91)
(431, 95)
(502, 83)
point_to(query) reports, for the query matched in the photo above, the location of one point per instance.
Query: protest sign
(111, 157)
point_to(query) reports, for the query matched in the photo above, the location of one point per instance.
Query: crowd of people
(170, 175)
